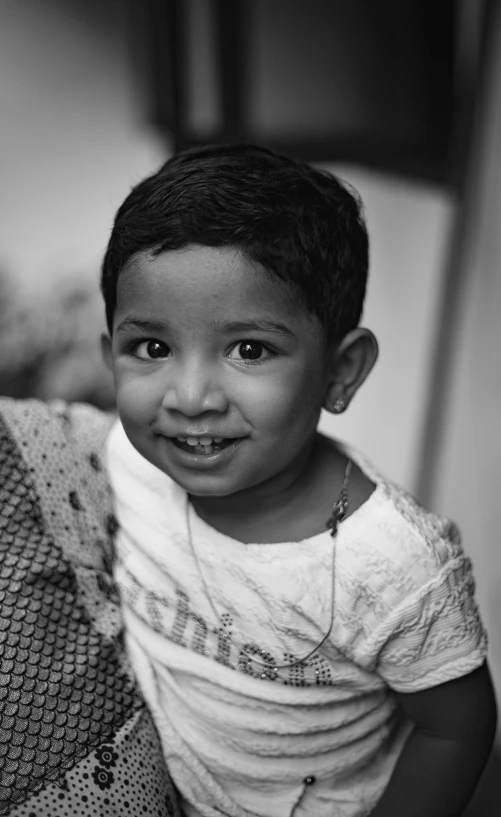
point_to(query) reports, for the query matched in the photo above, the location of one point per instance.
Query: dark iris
(157, 349)
(250, 351)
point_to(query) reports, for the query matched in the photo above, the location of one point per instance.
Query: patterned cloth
(75, 736)
(317, 739)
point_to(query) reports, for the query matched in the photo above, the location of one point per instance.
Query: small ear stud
(339, 406)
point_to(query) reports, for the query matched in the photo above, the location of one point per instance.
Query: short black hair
(300, 223)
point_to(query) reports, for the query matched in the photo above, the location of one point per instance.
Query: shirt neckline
(212, 534)
(159, 482)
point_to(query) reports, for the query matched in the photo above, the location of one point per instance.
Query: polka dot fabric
(123, 777)
(75, 737)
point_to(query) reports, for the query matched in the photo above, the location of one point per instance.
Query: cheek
(280, 404)
(135, 399)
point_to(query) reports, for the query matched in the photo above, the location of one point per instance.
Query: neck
(261, 512)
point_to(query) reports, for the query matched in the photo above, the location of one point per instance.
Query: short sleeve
(413, 618)
(434, 636)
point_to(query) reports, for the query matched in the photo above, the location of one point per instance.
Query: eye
(151, 350)
(249, 350)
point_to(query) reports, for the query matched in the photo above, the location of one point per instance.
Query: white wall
(71, 138)
(409, 225)
(469, 460)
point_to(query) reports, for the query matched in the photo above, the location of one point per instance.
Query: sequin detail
(182, 625)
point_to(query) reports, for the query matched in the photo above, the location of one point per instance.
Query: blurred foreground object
(49, 345)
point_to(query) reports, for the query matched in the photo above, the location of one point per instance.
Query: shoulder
(52, 454)
(33, 422)
(407, 608)
(392, 550)
(54, 436)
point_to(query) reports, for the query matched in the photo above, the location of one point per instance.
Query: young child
(294, 666)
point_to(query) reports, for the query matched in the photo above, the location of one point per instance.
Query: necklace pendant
(340, 506)
(337, 515)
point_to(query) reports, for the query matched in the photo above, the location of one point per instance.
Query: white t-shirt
(316, 740)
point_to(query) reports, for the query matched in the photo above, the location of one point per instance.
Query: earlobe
(339, 405)
(334, 403)
(106, 351)
(352, 361)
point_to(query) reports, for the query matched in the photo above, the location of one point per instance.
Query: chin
(202, 485)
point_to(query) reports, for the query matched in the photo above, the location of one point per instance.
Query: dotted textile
(75, 737)
(122, 777)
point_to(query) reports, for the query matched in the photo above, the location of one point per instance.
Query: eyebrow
(143, 325)
(225, 327)
(232, 327)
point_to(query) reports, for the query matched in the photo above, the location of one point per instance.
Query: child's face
(206, 346)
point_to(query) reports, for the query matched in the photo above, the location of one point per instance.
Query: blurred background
(401, 98)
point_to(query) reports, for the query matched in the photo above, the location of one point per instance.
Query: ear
(350, 363)
(106, 351)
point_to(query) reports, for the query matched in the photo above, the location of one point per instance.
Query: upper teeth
(200, 440)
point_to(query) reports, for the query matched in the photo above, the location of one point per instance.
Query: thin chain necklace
(338, 513)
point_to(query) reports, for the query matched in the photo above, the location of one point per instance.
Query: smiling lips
(202, 445)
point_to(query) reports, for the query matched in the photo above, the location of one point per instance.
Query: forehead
(204, 281)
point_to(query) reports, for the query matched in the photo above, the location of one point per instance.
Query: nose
(193, 389)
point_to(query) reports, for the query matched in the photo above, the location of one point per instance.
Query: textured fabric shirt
(314, 740)
(75, 735)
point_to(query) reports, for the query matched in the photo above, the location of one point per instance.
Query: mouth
(203, 445)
